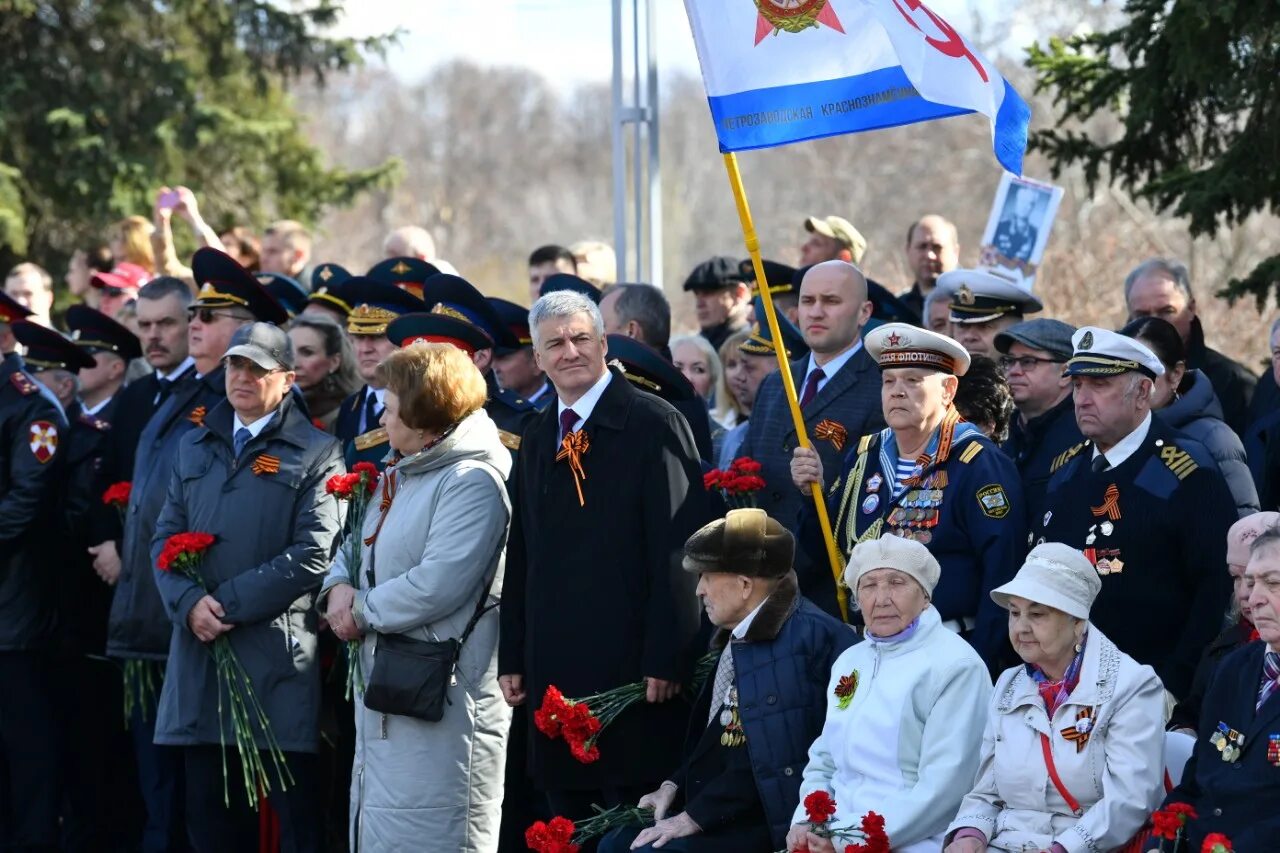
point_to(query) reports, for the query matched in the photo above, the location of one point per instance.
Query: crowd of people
(1050, 619)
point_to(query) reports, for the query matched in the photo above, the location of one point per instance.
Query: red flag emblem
(43, 440)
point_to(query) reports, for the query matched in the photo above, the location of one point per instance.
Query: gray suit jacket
(851, 400)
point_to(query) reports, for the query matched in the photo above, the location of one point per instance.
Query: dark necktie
(242, 437)
(164, 387)
(1100, 464)
(567, 419)
(1270, 677)
(372, 412)
(811, 386)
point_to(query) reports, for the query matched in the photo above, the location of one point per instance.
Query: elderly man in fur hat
(775, 653)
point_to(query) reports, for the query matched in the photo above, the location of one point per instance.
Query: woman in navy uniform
(930, 477)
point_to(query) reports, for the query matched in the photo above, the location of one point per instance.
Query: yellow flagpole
(784, 367)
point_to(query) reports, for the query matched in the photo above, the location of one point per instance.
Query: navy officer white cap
(1098, 352)
(980, 296)
(903, 345)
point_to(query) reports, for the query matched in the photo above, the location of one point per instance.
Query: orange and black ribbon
(196, 416)
(946, 432)
(1110, 504)
(389, 486)
(1074, 735)
(829, 430)
(265, 464)
(573, 447)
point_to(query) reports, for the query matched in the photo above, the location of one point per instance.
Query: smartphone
(168, 200)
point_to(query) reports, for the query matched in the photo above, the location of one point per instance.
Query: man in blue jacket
(755, 718)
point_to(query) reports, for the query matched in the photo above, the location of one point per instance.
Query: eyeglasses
(207, 315)
(1024, 362)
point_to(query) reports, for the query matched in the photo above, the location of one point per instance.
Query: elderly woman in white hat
(1073, 754)
(904, 708)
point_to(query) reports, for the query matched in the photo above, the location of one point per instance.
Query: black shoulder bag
(411, 678)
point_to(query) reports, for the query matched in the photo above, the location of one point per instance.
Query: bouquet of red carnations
(356, 488)
(182, 553)
(561, 835)
(738, 484)
(868, 837)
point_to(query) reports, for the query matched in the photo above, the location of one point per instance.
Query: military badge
(265, 464)
(42, 438)
(1080, 731)
(1048, 515)
(733, 735)
(196, 415)
(1086, 342)
(873, 485)
(1273, 750)
(1227, 741)
(845, 688)
(964, 295)
(871, 504)
(793, 16)
(993, 500)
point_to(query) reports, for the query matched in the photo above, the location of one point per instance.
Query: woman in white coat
(1073, 754)
(438, 525)
(905, 708)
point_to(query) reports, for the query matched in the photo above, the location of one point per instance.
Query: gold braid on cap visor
(323, 295)
(210, 297)
(368, 319)
(1097, 365)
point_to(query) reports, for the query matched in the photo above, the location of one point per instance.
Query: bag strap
(1072, 802)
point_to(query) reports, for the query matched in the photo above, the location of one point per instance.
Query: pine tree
(1197, 86)
(102, 102)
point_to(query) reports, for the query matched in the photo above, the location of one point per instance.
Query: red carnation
(1165, 824)
(553, 837)
(117, 494)
(746, 465)
(711, 479)
(820, 807)
(1216, 842)
(367, 474)
(1183, 810)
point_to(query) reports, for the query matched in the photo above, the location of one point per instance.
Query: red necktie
(811, 386)
(567, 419)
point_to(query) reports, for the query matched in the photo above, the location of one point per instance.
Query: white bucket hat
(1056, 576)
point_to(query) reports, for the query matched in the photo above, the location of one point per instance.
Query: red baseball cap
(123, 276)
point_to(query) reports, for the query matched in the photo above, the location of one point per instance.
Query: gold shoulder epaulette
(1179, 461)
(865, 442)
(970, 451)
(1066, 456)
(509, 440)
(372, 438)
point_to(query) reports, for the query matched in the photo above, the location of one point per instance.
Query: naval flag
(780, 71)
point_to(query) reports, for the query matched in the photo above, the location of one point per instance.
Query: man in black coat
(32, 427)
(1231, 779)
(608, 488)
(1043, 429)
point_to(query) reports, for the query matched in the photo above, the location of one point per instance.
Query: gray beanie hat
(893, 552)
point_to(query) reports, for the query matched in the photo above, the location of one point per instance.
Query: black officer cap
(328, 275)
(407, 273)
(287, 291)
(375, 304)
(49, 350)
(714, 274)
(438, 328)
(10, 310)
(94, 332)
(565, 281)
(225, 284)
(646, 369)
(779, 276)
(456, 297)
(516, 320)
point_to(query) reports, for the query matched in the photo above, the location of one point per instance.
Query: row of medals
(732, 723)
(917, 513)
(1228, 741)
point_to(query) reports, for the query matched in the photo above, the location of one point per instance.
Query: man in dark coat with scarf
(608, 488)
(755, 718)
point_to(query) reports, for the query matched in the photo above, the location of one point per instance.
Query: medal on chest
(732, 736)
(919, 509)
(1273, 750)
(1228, 742)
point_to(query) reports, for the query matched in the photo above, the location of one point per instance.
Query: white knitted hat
(1056, 576)
(893, 552)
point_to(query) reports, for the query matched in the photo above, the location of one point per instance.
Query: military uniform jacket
(1239, 798)
(1155, 526)
(31, 479)
(1040, 447)
(138, 627)
(275, 533)
(966, 506)
(606, 573)
(848, 406)
(84, 600)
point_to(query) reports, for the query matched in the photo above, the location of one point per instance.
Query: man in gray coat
(253, 475)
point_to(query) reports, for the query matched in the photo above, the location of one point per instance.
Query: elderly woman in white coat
(1073, 754)
(438, 526)
(905, 708)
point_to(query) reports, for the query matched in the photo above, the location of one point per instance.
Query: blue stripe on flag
(879, 99)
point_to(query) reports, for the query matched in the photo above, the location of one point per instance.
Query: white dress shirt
(831, 368)
(1126, 446)
(586, 404)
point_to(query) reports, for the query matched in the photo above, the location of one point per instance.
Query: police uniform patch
(42, 438)
(993, 500)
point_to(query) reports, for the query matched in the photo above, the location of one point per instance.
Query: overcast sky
(567, 41)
